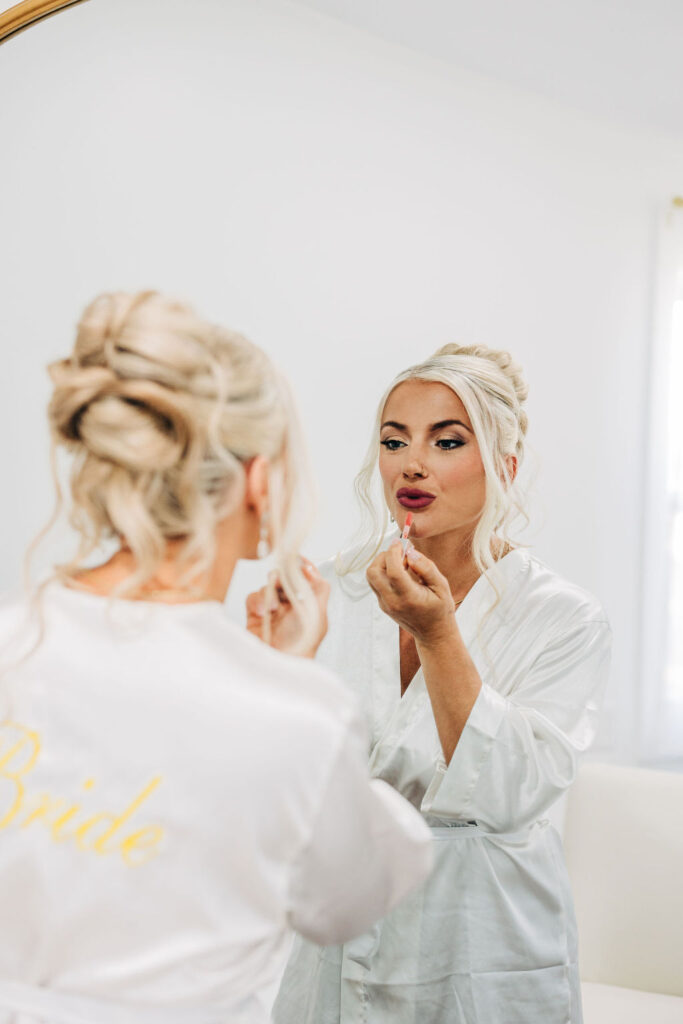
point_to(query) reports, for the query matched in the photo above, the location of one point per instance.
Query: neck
(168, 585)
(451, 552)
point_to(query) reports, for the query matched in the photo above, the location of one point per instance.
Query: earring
(391, 519)
(263, 546)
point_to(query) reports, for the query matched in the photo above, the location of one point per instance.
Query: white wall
(349, 205)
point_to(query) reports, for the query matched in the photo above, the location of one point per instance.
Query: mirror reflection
(354, 354)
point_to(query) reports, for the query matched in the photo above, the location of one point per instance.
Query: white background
(350, 205)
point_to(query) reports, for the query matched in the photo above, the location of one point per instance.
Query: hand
(285, 627)
(412, 591)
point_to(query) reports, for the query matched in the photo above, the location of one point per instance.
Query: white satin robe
(491, 937)
(175, 796)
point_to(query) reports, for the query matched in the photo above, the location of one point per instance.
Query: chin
(424, 529)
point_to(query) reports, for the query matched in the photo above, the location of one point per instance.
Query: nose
(414, 470)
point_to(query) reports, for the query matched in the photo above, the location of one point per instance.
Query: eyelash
(453, 443)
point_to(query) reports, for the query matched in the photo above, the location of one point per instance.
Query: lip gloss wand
(406, 530)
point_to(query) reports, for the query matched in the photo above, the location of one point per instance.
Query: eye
(392, 444)
(448, 444)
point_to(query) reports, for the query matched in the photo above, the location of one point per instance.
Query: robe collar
(393, 713)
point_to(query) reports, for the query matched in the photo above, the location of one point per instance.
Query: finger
(376, 571)
(319, 585)
(388, 600)
(402, 580)
(255, 609)
(415, 578)
(424, 569)
(379, 562)
(387, 577)
(395, 560)
(256, 604)
(380, 588)
(274, 594)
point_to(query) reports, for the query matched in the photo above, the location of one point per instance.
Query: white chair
(623, 837)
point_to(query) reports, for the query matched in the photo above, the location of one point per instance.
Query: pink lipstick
(413, 498)
(406, 530)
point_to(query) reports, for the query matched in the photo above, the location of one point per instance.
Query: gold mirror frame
(28, 13)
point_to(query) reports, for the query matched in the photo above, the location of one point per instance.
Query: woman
(480, 672)
(174, 795)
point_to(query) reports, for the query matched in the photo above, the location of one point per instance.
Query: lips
(411, 497)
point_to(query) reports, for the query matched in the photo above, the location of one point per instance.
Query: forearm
(453, 683)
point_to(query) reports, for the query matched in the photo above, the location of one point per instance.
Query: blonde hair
(160, 410)
(491, 388)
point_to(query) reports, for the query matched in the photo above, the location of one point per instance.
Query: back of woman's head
(493, 391)
(161, 410)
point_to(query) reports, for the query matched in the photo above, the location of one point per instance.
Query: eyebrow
(434, 427)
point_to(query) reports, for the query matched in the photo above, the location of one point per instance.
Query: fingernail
(413, 555)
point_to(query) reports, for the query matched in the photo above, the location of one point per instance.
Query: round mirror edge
(22, 15)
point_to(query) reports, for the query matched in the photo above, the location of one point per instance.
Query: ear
(256, 484)
(511, 466)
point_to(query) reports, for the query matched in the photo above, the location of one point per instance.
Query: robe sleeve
(368, 848)
(517, 754)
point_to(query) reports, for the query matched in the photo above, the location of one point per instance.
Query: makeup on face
(414, 498)
(429, 459)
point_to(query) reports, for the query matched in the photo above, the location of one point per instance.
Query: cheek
(466, 473)
(387, 468)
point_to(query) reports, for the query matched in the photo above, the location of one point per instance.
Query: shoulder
(533, 590)
(567, 598)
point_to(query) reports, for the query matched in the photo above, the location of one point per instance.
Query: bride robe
(491, 937)
(175, 796)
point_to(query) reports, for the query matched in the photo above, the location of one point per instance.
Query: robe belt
(453, 829)
(363, 949)
(441, 829)
(54, 1007)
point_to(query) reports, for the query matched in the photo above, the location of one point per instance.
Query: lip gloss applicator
(406, 530)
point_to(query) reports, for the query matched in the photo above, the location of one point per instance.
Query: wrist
(443, 635)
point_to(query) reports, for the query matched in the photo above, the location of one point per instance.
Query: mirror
(349, 203)
(20, 16)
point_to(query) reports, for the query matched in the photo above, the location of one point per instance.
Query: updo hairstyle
(160, 410)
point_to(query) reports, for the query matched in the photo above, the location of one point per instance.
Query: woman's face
(430, 461)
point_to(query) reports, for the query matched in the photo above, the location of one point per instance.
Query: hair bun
(74, 388)
(136, 424)
(102, 323)
(504, 361)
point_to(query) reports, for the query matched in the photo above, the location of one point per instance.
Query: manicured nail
(413, 555)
